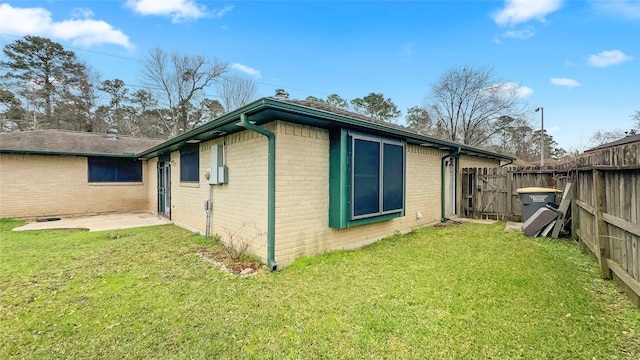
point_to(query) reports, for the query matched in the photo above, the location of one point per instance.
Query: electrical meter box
(218, 169)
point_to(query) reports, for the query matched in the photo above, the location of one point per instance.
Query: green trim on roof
(63, 153)
(268, 109)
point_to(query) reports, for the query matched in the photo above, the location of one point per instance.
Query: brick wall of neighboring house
(467, 161)
(50, 185)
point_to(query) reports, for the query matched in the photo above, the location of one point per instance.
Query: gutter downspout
(507, 164)
(271, 189)
(455, 154)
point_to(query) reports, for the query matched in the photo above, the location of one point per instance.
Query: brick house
(288, 178)
(292, 178)
(66, 173)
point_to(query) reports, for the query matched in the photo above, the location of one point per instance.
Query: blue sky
(580, 60)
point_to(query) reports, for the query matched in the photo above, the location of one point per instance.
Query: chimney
(112, 134)
(281, 94)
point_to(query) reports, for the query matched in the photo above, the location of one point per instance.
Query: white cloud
(523, 34)
(565, 82)
(247, 70)
(520, 11)
(519, 34)
(508, 90)
(178, 10)
(608, 58)
(624, 8)
(223, 11)
(82, 13)
(80, 31)
(524, 91)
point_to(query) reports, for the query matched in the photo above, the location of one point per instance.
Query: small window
(190, 163)
(108, 169)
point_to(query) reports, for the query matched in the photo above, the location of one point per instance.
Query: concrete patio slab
(476, 221)
(98, 222)
(513, 226)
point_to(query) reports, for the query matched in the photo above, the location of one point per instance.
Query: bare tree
(636, 119)
(180, 79)
(236, 92)
(76, 109)
(468, 103)
(12, 115)
(603, 137)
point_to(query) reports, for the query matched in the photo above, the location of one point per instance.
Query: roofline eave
(322, 115)
(67, 153)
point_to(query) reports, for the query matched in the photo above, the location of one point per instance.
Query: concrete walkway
(511, 226)
(98, 222)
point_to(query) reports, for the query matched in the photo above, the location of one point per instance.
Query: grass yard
(469, 291)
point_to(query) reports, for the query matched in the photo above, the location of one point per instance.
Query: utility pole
(541, 109)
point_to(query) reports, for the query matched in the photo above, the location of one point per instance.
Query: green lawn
(469, 291)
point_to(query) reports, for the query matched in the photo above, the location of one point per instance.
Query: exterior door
(164, 189)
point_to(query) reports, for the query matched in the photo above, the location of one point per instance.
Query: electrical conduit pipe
(456, 155)
(271, 190)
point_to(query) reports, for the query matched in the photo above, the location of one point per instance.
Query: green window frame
(367, 179)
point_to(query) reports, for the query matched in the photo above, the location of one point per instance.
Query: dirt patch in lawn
(243, 267)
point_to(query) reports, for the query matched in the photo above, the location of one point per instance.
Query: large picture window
(377, 176)
(108, 169)
(189, 163)
(366, 179)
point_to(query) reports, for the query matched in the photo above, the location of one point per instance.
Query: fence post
(601, 227)
(575, 216)
(508, 183)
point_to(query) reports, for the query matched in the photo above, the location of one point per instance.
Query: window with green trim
(367, 179)
(190, 163)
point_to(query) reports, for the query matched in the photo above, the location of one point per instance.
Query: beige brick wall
(472, 161)
(302, 193)
(239, 211)
(51, 185)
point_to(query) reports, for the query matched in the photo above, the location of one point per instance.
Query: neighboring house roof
(64, 142)
(625, 140)
(310, 113)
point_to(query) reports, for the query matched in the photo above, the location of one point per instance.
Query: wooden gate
(486, 193)
(490, 193)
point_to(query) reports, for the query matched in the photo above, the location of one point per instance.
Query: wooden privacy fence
(490, 193)
(605, 213)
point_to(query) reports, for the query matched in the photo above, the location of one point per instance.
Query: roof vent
(281, 94)
(112, 134)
